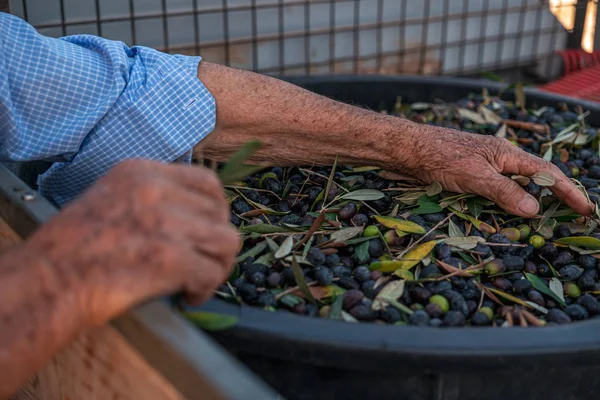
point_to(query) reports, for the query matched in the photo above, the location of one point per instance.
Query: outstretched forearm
(38, 315)
(296, 126)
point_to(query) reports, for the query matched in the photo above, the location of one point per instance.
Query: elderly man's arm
(166, 230)
(299, 127)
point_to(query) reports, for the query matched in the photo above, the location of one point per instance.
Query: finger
(204, 278)
(199, 205)
(198, 179)
(506, 193)
(522, 163)
(219, 241)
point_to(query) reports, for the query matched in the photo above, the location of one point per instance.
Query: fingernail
(528, 205)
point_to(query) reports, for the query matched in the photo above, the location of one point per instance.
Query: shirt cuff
(164, 111)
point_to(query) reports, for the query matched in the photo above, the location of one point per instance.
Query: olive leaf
(323, 292)
(345, 234)
(389, 293)
(285, 248)
(426, 206)
(347, 317)
(299, 275)
(490, 116)
(266, 175)
(537, 307)
(521, 180)
(211, 321)
(501, 132)
(543, 178)
(433, 189)
(465, 243)
(363, 195)
(265, 259)
(266, 228)
(453, 230)
(420, 106)
(472, 116)
(253, 252)
(586, 242)
(411, 198)
(509, 297)
(557, 288)
(329, 180)
(272, 245)
(540, 286)
(482, 226)
(475, 206)
(235, 169)
(410, 259)
(400, 225)
(362, 252)
(336, 308)
(547, 215)
(548, 154)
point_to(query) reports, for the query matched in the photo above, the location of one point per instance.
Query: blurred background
(525, 40)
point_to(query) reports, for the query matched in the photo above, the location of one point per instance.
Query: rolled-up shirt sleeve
(87, 103)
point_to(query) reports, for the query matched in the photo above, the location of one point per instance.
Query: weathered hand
(145, 229)
(469, 163)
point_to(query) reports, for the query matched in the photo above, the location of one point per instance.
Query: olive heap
(361, 244)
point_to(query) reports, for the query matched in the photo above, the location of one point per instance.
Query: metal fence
(430, 37)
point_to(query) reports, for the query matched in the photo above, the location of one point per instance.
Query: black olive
(558, 316)
(266, 299)
(522, 286)
(590, 303)
(563, 258)
(360, 220)
(274, 279)
(362, 313)
(351, 298)
(442, 251)
(239, 206)
(341, 270)
(316, 256)
(588, 261)
(513, 263)
(368, 288)
(347, 212)
(457, 302)
(434, 310)
(376, 248)
(390, 315)
(324, 276)
(257, 278)
(348, 283)
(576, 312)
(570, 272)
(454, 318)
(480, 319)
(419, 318)
(536, 297)
(562, 231)
(548, 252)
(361, 274)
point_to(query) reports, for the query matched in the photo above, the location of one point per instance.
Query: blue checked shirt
(86, 103)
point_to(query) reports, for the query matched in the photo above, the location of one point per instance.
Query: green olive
(440, 301)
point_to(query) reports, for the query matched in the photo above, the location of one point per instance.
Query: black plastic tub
(310, 358)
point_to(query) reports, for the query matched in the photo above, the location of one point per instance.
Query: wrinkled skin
(469, 163)
(297, 127)
(145, 229)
